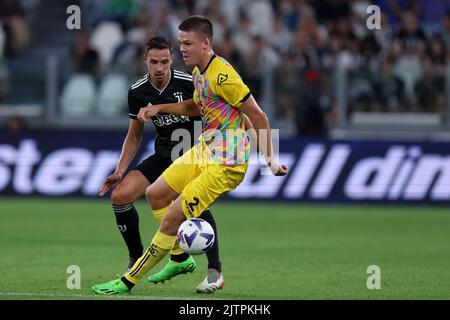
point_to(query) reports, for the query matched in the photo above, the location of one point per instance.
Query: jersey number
(190, 205)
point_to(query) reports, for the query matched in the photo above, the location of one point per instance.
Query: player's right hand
(109, 182)
(282, 170)
(277, 169)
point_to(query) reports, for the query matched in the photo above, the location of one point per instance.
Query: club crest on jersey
(179, 96)
(221, 78)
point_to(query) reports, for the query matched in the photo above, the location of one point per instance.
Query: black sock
(213, 253)
(129, 284)
(179, 257)
(127, 220)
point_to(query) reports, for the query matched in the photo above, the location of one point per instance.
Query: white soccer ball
(195, 236)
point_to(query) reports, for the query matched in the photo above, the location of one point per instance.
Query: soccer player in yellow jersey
(214, 166)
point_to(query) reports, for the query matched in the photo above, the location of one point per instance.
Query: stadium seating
(2, 41)
(105, 39)
(112, 99)
(78, 96)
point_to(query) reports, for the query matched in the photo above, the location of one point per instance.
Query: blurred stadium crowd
(287, 51)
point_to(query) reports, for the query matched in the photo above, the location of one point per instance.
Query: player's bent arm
(130, 145)
(250, 129)
(185, 108)
(248, 123)
(264, 136)
(260, 123)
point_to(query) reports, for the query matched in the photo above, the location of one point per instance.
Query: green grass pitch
(268, 251)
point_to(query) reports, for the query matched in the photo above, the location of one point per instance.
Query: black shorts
(153, 167)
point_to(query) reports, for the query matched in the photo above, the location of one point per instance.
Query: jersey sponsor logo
(221, 78)
(161, 120)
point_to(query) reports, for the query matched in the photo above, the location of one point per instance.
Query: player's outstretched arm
(130, 147)
(264, 137)
(185, 108)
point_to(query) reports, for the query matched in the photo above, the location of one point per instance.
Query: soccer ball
(195, 236)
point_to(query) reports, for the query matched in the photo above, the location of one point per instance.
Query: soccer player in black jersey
(161, 85)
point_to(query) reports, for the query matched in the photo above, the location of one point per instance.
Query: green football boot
(112, 287)
(173, 269)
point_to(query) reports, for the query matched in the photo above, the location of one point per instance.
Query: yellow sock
(160, 245)
(159, 213)
(163, 240)
(176, 249)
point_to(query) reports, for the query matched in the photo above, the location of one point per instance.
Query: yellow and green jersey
(219, 92)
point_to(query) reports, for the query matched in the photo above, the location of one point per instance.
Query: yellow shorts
(200, 180)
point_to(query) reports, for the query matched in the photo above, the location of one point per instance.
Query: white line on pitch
(69, 295)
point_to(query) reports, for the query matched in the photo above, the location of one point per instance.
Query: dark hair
(157, 43)
(197, 24)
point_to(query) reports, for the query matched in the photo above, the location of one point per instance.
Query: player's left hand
(147, 112)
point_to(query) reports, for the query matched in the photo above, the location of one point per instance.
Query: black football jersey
(179, 88)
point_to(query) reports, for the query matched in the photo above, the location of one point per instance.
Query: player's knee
(119, 196)
(152, 194)
(157, 197)
(149, 194)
